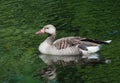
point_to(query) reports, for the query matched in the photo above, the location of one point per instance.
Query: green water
(20, 19)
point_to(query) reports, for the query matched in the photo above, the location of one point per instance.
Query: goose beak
(42, 31)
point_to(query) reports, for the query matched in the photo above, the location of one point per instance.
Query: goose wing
(69, 42)
(82, 43)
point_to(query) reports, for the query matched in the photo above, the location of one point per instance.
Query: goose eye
(46, 28)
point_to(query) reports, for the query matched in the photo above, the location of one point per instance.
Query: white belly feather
(91, 49)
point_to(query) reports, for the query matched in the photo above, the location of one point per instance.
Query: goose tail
(108, 41)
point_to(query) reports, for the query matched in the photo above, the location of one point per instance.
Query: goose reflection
(49, 72)
(72, 59)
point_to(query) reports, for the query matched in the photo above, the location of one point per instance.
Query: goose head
(48, 29)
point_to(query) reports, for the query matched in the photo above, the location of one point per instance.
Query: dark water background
(20, 19)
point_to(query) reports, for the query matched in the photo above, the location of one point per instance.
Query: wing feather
(67, 42)
(76, 41)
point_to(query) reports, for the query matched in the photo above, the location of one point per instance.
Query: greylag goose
(67, 45)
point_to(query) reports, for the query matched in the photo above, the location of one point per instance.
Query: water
(51, 61)
(20, 19)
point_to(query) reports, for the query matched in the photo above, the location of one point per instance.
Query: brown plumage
(74, 41)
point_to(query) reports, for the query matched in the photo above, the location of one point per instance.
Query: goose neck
(50, 39)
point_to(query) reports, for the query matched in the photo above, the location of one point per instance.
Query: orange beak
(42, 31)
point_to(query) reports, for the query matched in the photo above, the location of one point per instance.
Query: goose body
(67, 45)
(54, 49)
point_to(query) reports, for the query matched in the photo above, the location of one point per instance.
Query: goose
(67, 45)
